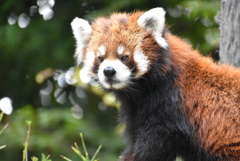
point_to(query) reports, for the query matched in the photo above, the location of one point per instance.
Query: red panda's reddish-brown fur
(207, 93)
(115, 28)
(211, 96)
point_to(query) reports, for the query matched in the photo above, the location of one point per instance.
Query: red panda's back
(211, 98)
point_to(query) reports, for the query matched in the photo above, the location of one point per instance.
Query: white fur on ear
(81, 31)
(154, 21)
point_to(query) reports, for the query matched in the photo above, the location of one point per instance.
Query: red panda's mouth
(112, 81)
(113, 84)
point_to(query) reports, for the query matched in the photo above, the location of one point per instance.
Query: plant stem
(25, 151)
(94, 156)
(84, 147)
(1, 116)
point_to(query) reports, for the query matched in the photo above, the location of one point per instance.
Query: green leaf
(45, 158)
(28, 122)
(34, 159)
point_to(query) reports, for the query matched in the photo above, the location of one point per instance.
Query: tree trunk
(230, 32)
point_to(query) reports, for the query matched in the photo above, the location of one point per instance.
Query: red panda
(174, 101)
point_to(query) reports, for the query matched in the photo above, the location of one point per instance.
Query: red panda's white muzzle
(113, 74)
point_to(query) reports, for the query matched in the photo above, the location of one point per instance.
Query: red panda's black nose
(109, 72)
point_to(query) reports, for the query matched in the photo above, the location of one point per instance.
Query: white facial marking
(153, 21)
(121, 77)
(88, 65)
(142, 62)
(102, 50)
(81, 31)
(120, 50)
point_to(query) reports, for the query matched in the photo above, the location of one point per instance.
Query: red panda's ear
(154, 22)
(81, 31)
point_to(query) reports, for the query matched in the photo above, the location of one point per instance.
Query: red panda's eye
(100, 59)
(124, 58)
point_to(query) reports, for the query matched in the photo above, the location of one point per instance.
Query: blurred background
(37, 72)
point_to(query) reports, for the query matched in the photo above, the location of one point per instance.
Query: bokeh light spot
(6, 105)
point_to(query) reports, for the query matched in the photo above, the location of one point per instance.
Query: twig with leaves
(85, 156)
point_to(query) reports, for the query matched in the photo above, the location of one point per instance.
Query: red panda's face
(111, 50)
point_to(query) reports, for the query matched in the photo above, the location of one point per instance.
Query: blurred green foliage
(36, 56)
